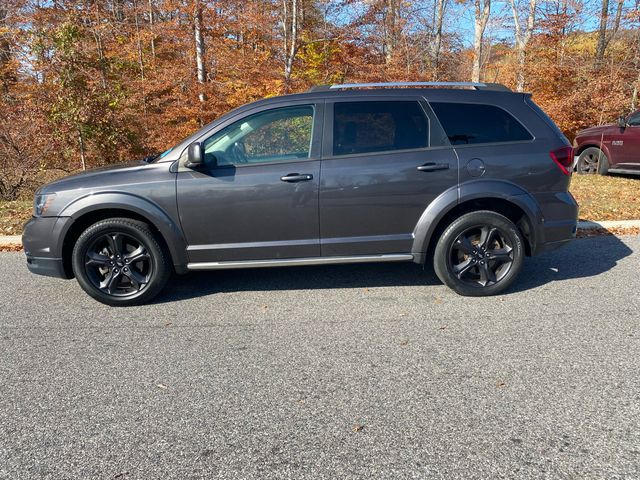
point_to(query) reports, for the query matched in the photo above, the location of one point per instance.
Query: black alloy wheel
(481, 256)
(120, 262)
(479, 253)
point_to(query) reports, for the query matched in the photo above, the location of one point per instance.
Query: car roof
(439, 91)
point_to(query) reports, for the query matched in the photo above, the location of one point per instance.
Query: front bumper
(42, 242)
(49, 267)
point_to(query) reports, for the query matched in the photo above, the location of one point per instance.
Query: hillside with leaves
(87, 83)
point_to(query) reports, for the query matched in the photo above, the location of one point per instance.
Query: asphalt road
(368, 371)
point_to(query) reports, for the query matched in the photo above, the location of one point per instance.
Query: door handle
(431, 167)
(297, 177)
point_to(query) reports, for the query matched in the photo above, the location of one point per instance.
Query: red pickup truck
(611, 148)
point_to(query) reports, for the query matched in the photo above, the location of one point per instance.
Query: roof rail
(475, 85)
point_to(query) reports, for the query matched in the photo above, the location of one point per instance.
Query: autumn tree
(522, 34)
(607, 31)
(86, 83)
(482, 10)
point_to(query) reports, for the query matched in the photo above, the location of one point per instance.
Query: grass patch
(13, 216)
(607, 198)
(600, 198)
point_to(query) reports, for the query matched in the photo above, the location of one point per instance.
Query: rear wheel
(120, 262)
(592, 161)
(480, 253)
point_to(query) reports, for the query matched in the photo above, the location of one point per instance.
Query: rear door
(382, 166)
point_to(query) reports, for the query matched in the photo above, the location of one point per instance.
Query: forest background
(85, 83)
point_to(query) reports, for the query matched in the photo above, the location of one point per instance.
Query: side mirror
(622, 122)
(195, 156)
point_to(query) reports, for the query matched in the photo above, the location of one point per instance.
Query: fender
(170, 231)
(475, 189)
(600, 145)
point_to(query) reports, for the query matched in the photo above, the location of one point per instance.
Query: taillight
(563, 157)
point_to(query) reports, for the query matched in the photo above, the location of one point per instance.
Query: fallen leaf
(358, 427)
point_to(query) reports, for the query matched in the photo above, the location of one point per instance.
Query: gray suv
(471, 175)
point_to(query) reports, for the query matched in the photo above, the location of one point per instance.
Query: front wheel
(478, 254)
(120, 262)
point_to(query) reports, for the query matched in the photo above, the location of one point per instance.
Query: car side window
(365, 127)
(634, 119)
(272, 135)
(471, 123)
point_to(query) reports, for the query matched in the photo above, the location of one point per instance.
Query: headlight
(41, 203)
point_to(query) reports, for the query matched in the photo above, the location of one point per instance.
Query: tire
(592, 161)
(479, 254)
(137, 275)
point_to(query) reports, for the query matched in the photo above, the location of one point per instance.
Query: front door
(381, 168)
(257, 197)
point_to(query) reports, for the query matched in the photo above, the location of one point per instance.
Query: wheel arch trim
(600, 146)
(94, 203)
(485, 190)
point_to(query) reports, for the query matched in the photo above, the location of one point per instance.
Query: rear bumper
(550, 246)
(559, 224)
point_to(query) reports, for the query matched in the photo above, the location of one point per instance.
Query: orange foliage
(108, 81)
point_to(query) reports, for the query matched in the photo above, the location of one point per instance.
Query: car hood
(102, 175)
(594, 130)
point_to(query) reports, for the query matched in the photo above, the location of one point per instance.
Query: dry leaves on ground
(11, 248)
(13, 216)
(607, 198)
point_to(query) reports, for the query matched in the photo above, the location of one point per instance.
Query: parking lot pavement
(366, 371)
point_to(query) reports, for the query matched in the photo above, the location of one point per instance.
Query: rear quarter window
(473, 123)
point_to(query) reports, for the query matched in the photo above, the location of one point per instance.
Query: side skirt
(626, 171)
(294, 262)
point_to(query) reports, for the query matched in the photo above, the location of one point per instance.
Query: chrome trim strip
(370, 238)
(313, 241)
(278, 243)
(293, 262)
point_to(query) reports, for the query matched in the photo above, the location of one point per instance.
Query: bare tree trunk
(199, 39)
(605, 34)
(437, 43)
(151, 26)
(138, 40)
(117, 8)
(98, 38)
(140, 57)
(522, 39)
(390, 34)
(482, 12)
(634, 95)
(5, 48)
(83, 162)
(291, 13)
